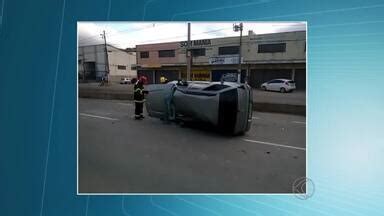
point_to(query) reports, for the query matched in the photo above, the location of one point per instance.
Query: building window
(121, 67)
(166, 53)
(198, 52)
(229, 50)
(271, 48)
(144, 54)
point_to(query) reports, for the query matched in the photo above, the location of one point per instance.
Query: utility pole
(188, 53)
(106, 55)
(239, 28)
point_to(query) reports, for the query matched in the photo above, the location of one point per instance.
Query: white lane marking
(126, 104)
(274, 144)
(255, 117)
(95, 116)
(298, 122)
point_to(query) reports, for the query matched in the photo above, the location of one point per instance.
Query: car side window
(272, 81)
(279, 81)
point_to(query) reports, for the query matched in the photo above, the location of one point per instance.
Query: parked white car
(125, 81)
(281, 85)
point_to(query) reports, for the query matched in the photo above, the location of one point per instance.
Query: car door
(272, 85)
(278, 85)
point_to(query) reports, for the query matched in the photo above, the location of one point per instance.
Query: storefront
(154, 75)
(261, 59)
(170, 75)
(200, 75)
(149, 74)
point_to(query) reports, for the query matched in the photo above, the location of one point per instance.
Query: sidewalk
(292, 103)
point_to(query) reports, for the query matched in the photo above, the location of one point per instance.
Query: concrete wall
(154, 60)
(295, 48)
(117, 57)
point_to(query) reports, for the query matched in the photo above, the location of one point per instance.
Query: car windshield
(291, 81)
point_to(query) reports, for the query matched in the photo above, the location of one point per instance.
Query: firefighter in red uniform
(138, 97)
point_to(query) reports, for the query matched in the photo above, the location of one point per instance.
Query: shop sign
(229, 77)
(193, 43)
(201, 75)
(224, 60)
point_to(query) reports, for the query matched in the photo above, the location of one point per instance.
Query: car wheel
(264, 89)
(282, 90)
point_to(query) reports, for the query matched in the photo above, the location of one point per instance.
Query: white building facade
(93, 63)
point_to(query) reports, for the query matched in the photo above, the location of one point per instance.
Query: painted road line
(273, 144)
(95, 116)
(126, 104)
(254, 117)
(298, 122)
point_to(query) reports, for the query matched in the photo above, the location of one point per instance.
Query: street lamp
(237, 28)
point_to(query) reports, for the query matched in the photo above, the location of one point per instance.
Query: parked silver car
(125, 80)
(225, 105)
(281, 85)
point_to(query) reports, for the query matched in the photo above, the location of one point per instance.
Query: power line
(180, 36)
(109, 35)
(109, 51)
(185, 35)
(201, 33)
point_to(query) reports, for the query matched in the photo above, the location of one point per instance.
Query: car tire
(264, 88)
(282, 90)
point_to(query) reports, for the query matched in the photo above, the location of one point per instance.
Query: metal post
(293, 74)
(241, 35)
(239, 28)
(188, 54)
(106, 55)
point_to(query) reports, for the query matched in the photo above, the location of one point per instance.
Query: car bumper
(290, 88)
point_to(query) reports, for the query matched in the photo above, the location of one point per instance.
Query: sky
(129, 34)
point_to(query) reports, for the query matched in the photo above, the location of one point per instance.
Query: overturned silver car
(227, 106)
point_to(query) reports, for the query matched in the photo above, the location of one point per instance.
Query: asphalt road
(118, 154)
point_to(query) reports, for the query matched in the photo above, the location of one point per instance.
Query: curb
(280, 108)
(257, 106)
(105, 94)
